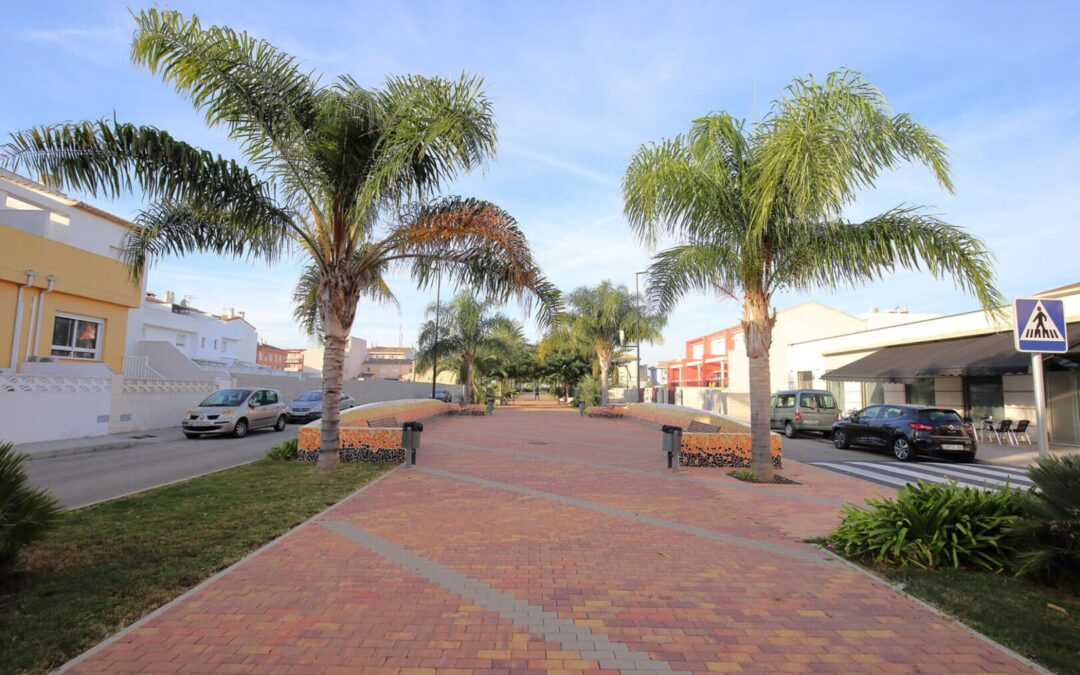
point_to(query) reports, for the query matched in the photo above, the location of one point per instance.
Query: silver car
(235, 411)
(803, 410)
(308, 406)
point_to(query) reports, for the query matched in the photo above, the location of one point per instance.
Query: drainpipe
(27, 353)
(52, 279)
(17, 331)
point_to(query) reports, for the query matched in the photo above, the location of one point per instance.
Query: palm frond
(258, 92)
(365, 271)
(845, 253)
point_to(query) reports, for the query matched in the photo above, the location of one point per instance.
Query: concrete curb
(211, 579)
(927, 606)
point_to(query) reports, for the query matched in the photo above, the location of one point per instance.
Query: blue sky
(578, 86)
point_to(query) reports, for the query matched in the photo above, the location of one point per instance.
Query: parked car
(803, 410)
(443, 395)
(308, 406)
(908, 431)
(235, 411)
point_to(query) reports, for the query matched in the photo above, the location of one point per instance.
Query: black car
(908, 431)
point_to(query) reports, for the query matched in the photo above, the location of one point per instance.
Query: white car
(308, 406)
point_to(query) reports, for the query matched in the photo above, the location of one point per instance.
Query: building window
(181, 340)
(837, 389)
(215, 345)
(806, 379)
(202, 343)
(984, 397)
(77, 337)
(873, 392)
(921, 391)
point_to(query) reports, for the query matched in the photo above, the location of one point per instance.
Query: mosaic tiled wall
(359, 443)
(728, 448)
(475, 410)
(601, 411)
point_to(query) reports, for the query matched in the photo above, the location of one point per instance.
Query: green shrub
(743, 474)
(931, 525)
(283, 451)
(1047, 537)
(588, 390)
(26, 513)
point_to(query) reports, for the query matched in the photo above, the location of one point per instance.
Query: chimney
(240, 314)
(170, 298)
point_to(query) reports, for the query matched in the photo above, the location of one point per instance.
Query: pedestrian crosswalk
(896, 474)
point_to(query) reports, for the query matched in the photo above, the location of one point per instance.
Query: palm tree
(473, 339)
(760, 210)
(607, 318)
(344, 174)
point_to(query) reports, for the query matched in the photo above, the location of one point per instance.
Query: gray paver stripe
(872, 475)
(806, 554)
(548, 625)
(917, 475)
(981, 471)
(663, 474)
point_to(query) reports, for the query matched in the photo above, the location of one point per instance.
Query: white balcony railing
(138, 368)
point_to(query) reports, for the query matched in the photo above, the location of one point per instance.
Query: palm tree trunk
(605, 366)
(757, 328)
(468, 382)
(332, 372)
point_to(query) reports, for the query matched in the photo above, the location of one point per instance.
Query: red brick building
(270, 356)
(705, 363)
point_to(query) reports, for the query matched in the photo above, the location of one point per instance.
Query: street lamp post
(435, 341)
(637, 373)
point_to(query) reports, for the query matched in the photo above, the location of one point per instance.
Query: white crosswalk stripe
(981, 476)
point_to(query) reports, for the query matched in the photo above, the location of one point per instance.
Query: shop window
(837, 389)
(921, 391)
(984, 397)
(873, 392)
(77, 337)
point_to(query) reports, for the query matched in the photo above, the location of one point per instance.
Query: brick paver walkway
(536, 540)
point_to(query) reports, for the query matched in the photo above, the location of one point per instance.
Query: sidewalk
(78, 446)
(536, 540)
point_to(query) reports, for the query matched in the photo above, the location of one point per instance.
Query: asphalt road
(86, 478)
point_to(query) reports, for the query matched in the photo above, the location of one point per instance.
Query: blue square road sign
(1039, 326)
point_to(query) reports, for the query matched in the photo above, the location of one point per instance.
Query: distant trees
(607, 318)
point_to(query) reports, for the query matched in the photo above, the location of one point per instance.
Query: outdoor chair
(1002, 429)
(986, 426)
(1021, 430)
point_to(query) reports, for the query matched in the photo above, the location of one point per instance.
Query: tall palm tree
(473, 339)
(607, 318)
(760, 210)
(344, 174)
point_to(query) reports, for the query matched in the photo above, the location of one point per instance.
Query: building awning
(992, 354)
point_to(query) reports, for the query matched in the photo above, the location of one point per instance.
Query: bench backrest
(702, 428)
(383, 422)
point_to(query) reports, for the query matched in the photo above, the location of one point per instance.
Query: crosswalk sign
(1039, 326)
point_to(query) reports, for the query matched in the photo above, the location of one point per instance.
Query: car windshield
(940, 417)
(226, 397)
(311, 396)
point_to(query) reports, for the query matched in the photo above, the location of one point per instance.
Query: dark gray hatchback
(908, 431)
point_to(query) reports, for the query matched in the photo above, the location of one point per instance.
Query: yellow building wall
(87, 284)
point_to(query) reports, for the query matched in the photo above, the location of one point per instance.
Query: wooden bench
(702, 428)
(384, 422)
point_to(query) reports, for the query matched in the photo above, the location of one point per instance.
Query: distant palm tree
(342, 173)
(607, 318)
(473, 339)
(760, 210)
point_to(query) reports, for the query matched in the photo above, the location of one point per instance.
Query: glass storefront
(873, 392)
(921, 392)
(984, 397)
(1063, 407)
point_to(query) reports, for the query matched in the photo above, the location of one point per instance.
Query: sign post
(1039, 328)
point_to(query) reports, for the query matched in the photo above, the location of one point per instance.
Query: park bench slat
(702, 428)
(383, 422)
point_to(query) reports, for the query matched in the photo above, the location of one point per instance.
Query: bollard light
(410, 439)
(672, 445)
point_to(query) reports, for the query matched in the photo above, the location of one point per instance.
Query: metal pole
(637, 374)
(1040, 405)
(435, 341)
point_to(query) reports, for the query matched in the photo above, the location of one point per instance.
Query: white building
(356, 352)
(962, 361)
(201, 336)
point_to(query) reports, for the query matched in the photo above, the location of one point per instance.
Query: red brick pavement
(534, 513)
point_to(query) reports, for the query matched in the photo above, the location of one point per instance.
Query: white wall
(356, 352)
(141, 405)
(67, 223)
(44, 407)
(733, 404)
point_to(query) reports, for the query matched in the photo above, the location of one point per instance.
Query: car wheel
(280, 426)
(840, 440)
(789, 429)
(191, 435)
(902, 449)
(241, 428)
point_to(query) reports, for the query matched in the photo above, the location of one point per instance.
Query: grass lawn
(1011, 611)
(108, 565)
